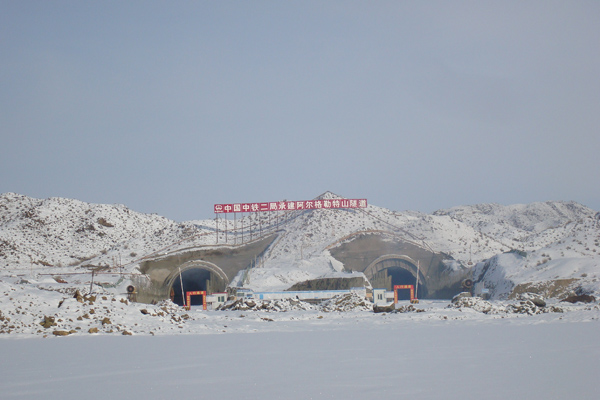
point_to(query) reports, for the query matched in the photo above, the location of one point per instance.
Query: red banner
(290, 205)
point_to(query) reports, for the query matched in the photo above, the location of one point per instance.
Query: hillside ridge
(559, 238)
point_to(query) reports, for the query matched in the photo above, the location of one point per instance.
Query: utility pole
(182, 293)
(217, 226)
(417, 285)
(92, 282)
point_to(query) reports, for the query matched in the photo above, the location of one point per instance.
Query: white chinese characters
(290, 205)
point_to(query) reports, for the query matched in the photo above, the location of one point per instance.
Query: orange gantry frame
(188, 295)
(412, 292)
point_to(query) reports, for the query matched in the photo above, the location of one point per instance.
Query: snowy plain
(441, 353)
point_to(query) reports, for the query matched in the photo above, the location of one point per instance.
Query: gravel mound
(342, 303)
(347, 302)
(267, 305)
(408, 308)
(529, 304)
(475, 303)
(535, 298)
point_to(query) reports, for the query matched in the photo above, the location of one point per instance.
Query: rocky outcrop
(583, 298)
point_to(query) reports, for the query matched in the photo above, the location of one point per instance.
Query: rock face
(583, 298)
(553, 288)
(329, 284)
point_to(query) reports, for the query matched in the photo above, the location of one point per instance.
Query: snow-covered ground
(58, 344)
(439, 353)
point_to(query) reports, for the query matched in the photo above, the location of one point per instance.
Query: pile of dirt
(169, 307)
(535, 298)
(383, 309)
(528, 303)
(475, 303)
(408, 308)
(527, 307)
(347, 302)
(168, 311)
(267, 305)
(344, 302)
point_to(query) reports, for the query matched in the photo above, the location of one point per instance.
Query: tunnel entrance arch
(195, 276)
(395, 269)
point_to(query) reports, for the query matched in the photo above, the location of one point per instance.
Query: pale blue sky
(170, 107)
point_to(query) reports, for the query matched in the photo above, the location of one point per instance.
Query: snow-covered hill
(63, 232)
(549, 241)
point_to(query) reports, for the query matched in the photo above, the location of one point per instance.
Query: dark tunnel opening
(194, 279)
(400, 276)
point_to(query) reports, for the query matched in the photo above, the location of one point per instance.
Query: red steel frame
(412, 291)
(188, 295)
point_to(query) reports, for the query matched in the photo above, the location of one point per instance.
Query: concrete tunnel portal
(223, 262)
(385, 259)
(387, 272)
(401, 276)
(390, 270)
(196, 276)
(191, 280)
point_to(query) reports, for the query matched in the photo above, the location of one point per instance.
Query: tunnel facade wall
(373, 252)
(223, 261)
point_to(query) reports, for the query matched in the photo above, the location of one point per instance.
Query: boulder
(460, 296)
(48, 322)
(78, 296)
(382, 309)
(408, 308)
